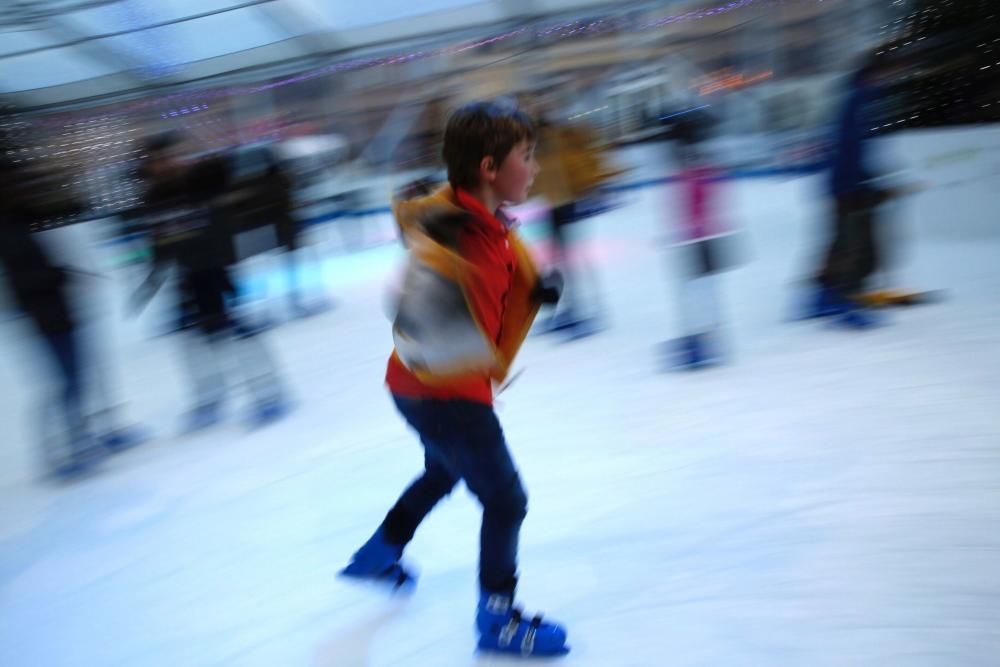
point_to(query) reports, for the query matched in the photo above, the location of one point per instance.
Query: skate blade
(515, 652)
(397, 585)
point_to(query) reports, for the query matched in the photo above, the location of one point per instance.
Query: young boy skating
(469, 296)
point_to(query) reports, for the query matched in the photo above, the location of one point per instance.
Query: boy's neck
(485, 195)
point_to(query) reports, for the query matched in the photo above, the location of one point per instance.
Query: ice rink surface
(825, 498)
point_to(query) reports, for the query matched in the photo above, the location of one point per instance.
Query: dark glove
(549, 288)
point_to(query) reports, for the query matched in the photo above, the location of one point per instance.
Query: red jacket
(496, 276)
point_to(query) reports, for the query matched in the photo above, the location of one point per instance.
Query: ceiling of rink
(55, 51)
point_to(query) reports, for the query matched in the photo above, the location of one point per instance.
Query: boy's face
(516, 174)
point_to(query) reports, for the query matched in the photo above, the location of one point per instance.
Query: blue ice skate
(564, 320)
(84, 457)
(583, 328)
(377, 561)
(824, 302)
(122, 439)
(691, 352)
(858, 319)
(846, 313)
(203, 417)
(268, 412)
(503, 629)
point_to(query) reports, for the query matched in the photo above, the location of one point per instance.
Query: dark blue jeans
(463, 441)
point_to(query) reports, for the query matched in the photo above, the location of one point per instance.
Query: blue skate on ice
(377, 561)
(504, 629)
(583, 328)
(563, 320)
(824, 302)
(858, 319)
(202, 417)
(691, 352)
(268, 412)
(125, 438)
(84, 457)
(846, 313)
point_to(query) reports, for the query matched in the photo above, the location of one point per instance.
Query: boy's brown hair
(479, 130)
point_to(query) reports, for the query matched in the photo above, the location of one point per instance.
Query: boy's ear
(488, 168)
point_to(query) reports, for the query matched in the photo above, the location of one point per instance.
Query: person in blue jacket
(853, 249)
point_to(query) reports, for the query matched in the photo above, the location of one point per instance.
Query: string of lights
(948, 56)
(99, 146)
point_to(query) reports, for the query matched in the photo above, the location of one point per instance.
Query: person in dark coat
(189, 232)
(853, 249)
(40, 288)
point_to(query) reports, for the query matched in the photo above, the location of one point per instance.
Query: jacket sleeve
(519, 315)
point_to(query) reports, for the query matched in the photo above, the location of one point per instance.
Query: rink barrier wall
(734, 174)
(945, 158)
(622, 187)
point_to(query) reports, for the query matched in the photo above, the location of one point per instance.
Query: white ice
(826, 498)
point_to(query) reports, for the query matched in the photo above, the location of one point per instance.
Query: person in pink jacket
(701, 238)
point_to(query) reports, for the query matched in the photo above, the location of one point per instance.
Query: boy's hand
(549, 288)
